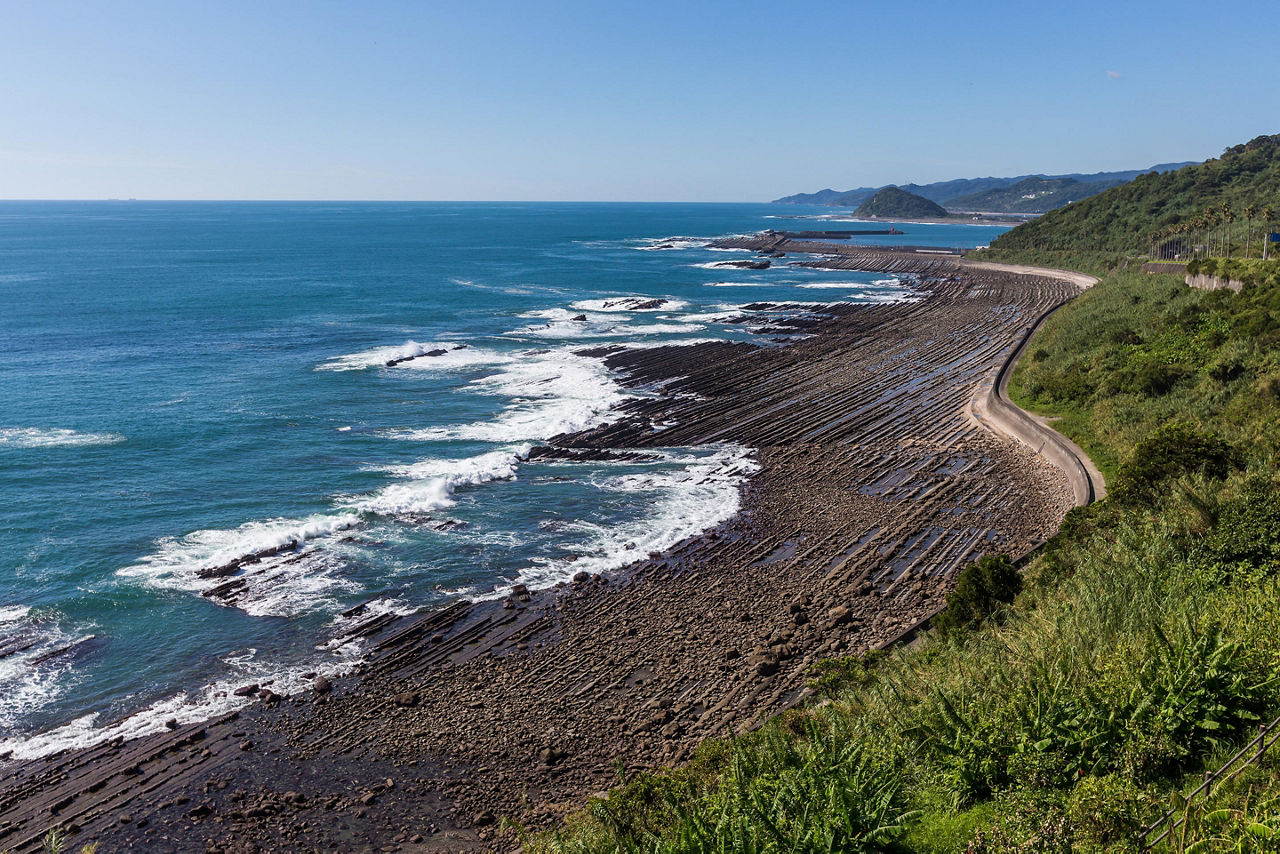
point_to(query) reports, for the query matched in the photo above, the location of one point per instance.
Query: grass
(1140, 651)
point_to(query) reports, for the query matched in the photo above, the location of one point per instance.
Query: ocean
(230, 431)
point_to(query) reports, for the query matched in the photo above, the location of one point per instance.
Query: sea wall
(1213, 283)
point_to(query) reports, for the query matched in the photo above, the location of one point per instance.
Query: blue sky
(716, 101)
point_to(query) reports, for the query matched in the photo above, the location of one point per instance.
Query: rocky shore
(875, 486)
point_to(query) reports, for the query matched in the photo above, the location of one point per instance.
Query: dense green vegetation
(1032, 195)
(948, 192)
(1125, 219)
(1253, 271)
(1059, 710)
(895, 202)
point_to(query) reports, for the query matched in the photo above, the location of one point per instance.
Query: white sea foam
(742, 284)
(449, 356)
(711, 316)
(566, 324)
(211, 701)
(568, 330)
(293, 581)
(13, 613)
(26, 683)
(553, 391)
(429, 485)
(629, 303)
(734, 265)
(677, 242)
(684, 502)
(679, 342)
(53, 437)
(375, 608)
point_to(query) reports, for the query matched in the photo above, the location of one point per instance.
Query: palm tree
(1227, 217)
(1250, 211)
(1211, 229)
(1268, 214)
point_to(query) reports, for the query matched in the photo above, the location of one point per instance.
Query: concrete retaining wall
(1213, 283)
(991, 407)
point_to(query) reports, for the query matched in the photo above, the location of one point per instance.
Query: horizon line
(411, 201)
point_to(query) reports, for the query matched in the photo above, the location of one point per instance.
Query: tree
(1250, 211)
(1227, 217)
(1268, 215)
(1211, 229)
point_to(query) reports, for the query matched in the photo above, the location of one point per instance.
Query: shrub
(982, 590)
(832, 676)
(1246, 536)
(1173, 451)
(1106, 809)
(1125, 336)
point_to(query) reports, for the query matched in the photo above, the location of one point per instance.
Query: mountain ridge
(946, 193)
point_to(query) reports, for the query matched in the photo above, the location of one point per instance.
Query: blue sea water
(188, 384)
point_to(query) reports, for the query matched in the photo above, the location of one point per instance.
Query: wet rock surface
(875, 487)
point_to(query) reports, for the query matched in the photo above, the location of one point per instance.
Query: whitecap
(213, 700)
(553, 392)
(13, 613)
(677, 242)
(683, 503)
(430, 484)
(53, 437)
(436, 355)
(629, 302)
(280, 573)
(33, 672)
(596, 326)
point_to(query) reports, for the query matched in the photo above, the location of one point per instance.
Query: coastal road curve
(992, 407)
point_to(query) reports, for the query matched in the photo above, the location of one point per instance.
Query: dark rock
(321, 686)
(407, 699)
(247, 690)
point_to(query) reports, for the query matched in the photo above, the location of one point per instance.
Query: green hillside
(1031, 195)
(1062, 709)
(892, 202)
(1123, 219)
(1067, 707)
(948, 192)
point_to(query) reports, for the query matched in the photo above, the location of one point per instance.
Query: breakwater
(920, 260)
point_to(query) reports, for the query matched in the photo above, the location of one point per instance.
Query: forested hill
(895, 202)
(1123, 218)
(971, 190)
(1032, 195)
